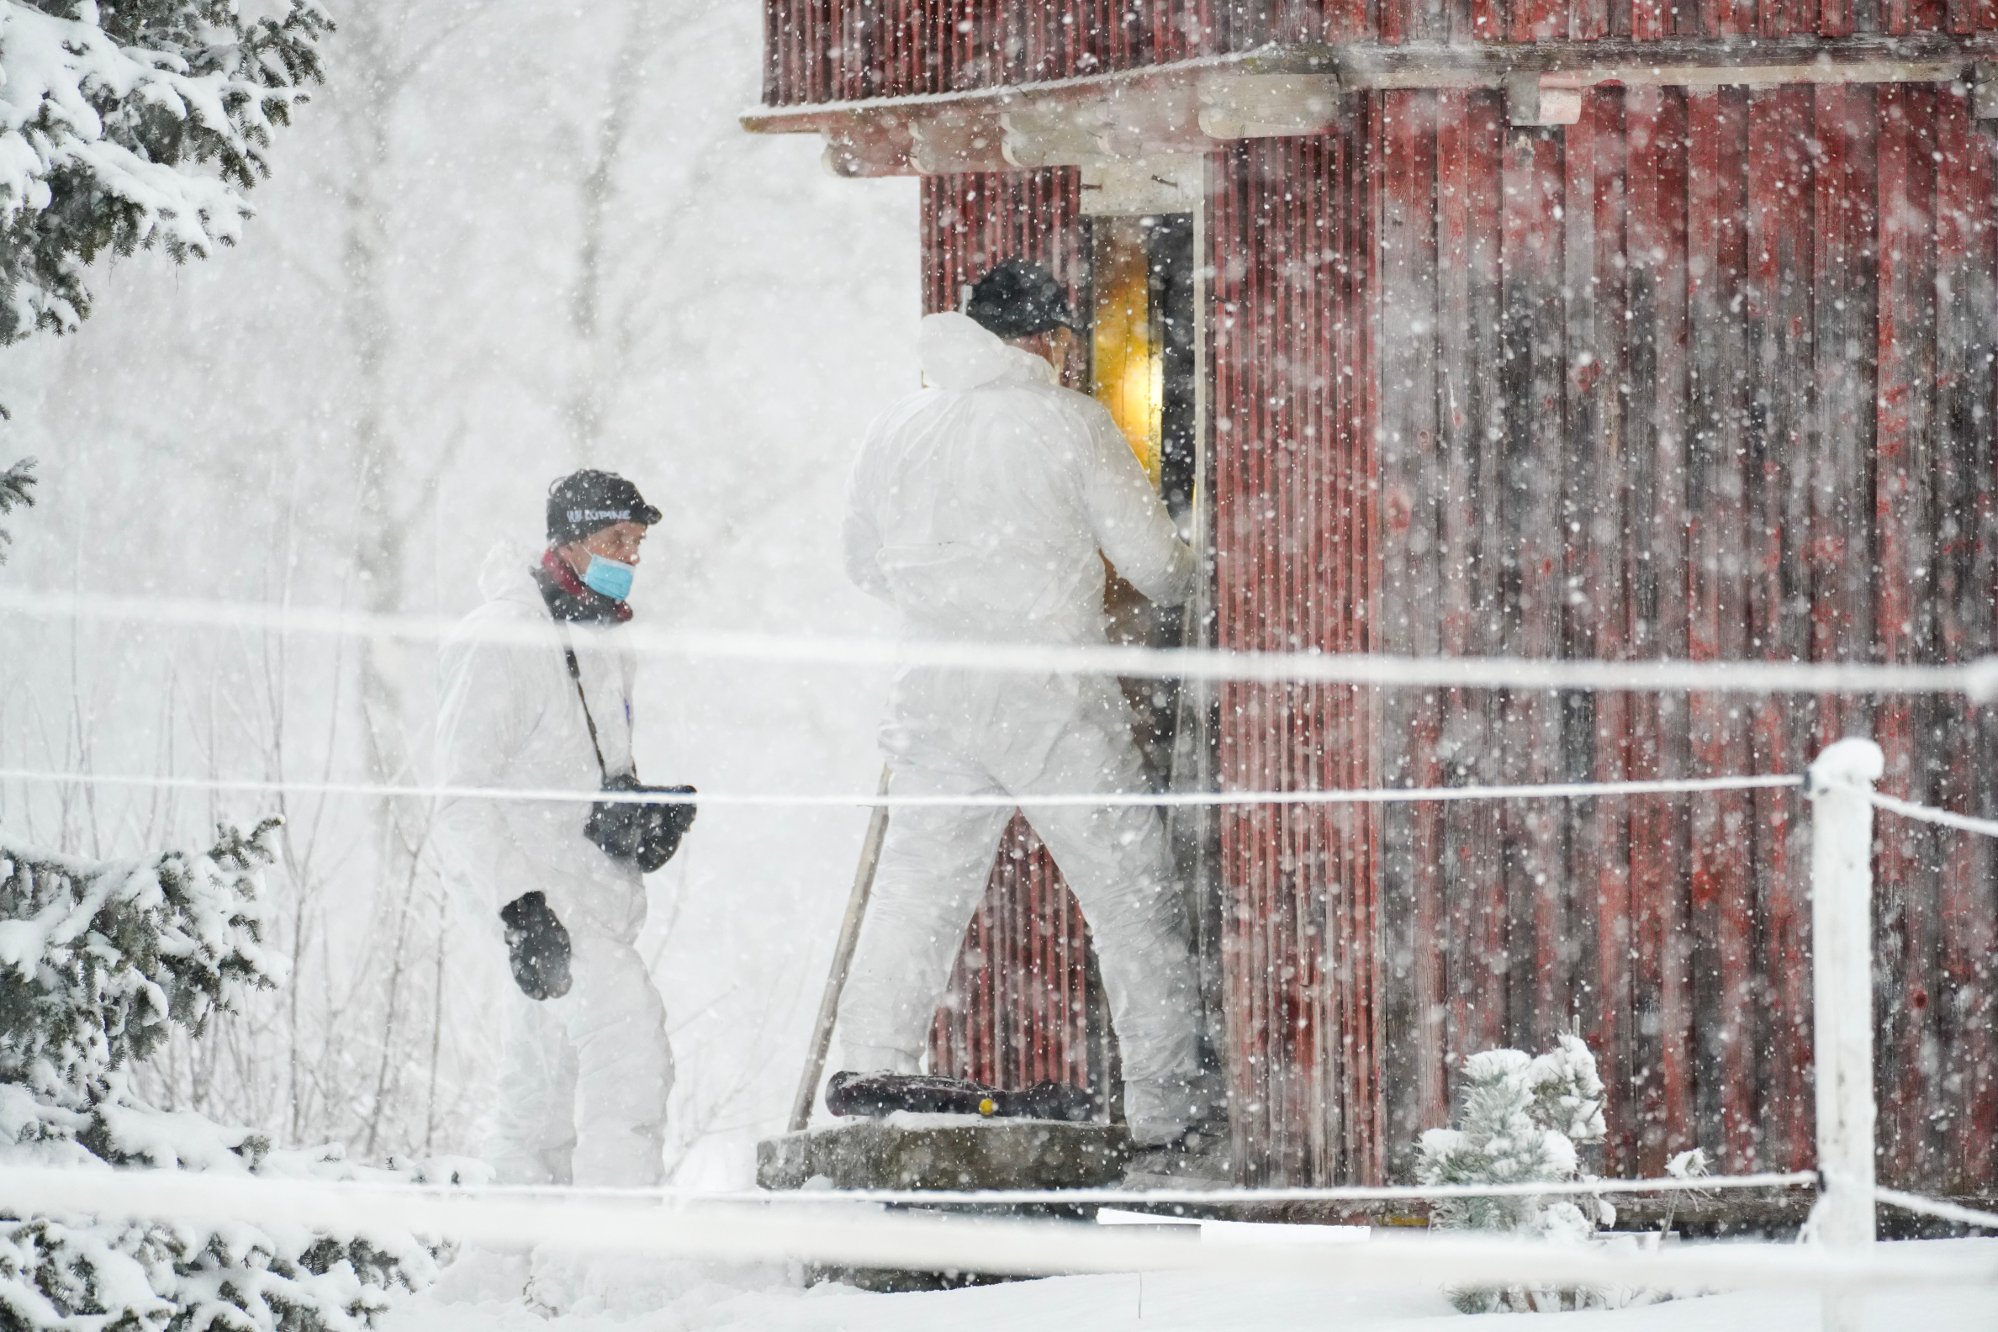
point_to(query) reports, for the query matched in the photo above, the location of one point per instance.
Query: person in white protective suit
(538, 695)
(981, 508)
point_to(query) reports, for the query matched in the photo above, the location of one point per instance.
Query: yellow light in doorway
(1126, 373)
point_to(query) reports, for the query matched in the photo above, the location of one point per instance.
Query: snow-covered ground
(482, 1293)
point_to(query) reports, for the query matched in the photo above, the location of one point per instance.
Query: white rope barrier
(1977, 680)
(858, 1237)
(870, 799)
(1936, 1207)
(1930, 814)
(1273, 1196)
(1359, 1193)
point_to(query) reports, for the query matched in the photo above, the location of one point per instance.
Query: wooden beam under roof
(1130, 115)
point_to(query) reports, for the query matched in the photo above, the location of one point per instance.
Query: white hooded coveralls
(977, 508)
(583, 1085)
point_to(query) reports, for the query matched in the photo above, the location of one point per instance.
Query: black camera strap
(576, 674)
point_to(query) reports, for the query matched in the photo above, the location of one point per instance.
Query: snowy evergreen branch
(130, 124)
(17, 490)
(98, 963)
(1522, 1118)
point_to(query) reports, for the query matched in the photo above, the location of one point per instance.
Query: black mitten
(644, 833)
(538, 947)
(663, 835)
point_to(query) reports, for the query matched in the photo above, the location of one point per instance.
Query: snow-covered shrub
(1522, 1119)
(129, 124)
(98, 961)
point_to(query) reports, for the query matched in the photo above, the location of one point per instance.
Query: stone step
(945, 1153)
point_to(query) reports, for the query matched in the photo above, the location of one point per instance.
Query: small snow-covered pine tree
(130, 124)
(98, 962)
(1522, 1119)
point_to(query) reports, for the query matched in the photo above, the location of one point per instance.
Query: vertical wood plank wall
(832, 50)
(1017, 1009)
(1296, 562)
(1709, 374)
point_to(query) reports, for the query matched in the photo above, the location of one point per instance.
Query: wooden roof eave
(1108, 116)
(1189, 106)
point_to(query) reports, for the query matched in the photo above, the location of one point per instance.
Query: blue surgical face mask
(608, 577)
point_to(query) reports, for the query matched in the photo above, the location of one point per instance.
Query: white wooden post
(1842, 992)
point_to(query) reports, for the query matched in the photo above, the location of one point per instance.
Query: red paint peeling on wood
(1749, 221)
(1967, 282)
(1292, 440)
(1780, 228)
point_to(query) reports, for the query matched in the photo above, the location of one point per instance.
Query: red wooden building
(1605, 329)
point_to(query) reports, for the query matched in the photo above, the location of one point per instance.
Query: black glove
(537, 946)
(663, 837)
(647, 834)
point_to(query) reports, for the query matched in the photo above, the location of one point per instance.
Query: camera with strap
(645, 831)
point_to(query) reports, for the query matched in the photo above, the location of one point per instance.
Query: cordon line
(1938, 1208)
(997, 800)
(1977, 680)
(859, 1237)
(1359, 1193)
(1930, 814)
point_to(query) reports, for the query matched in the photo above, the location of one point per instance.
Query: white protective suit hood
(959, 353)
(500, 572)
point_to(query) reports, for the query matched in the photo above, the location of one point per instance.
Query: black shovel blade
(873, 1095)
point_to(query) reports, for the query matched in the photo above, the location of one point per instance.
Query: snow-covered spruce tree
(17, 490)
(129, 124)
(1522, 1119)
(98, 962)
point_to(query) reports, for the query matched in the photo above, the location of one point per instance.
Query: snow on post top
(1853, 761)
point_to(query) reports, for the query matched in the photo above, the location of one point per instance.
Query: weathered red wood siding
(1710, 375)
(1017, 1010)
(834, 50)
(1295, 528)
